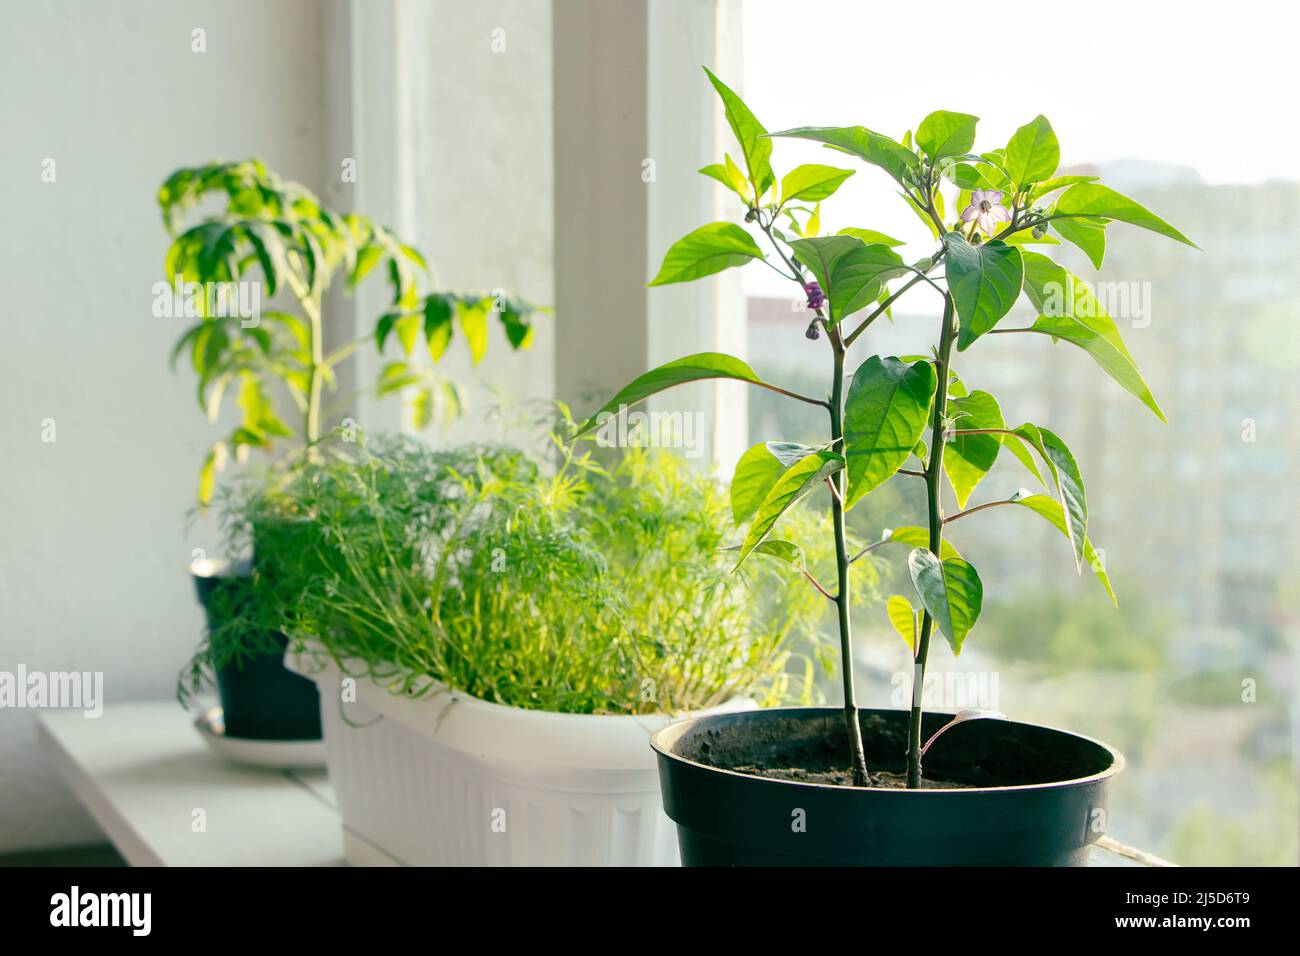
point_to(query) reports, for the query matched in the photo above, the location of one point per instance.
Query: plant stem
(818, 585)
(884, 306)
(933, 477)
(971, 511)
(844, 597)
(311, 417)
(343, 351)
(868, 549)
(789, 394)
(958, 432)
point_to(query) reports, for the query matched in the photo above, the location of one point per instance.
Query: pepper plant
(910, 417)
(274, 235)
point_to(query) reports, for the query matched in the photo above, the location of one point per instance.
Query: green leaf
(1112, 357)
(871, 237)
(1050, 509)
(402, 278)
(1033, 153)
(813, 225)
(969, 176)
(384, 328)
(886, 411)
(187, 340)
(295, 325)
(968, 458)
(368, 257)
(917, 537)
(785, 551)
(878, 150)
(269, 248)
(756, 472)
(798, 480)
(1088, 235)
(1058, 182)
(729, 174)
(985, 282)
(850, 273)
(438, 310)
(1094, 199)
(1067, 480)
(209, 348)
(1016, 445)
(422, 408)
(1029, 239)
(472, 315)
(956, 387)
(415, 256)
(395, 377)
(208, 473)
(259, 419)
(950, 591)
(1071, 312)
(216, 256)
(709, 249)
(903, 617)
(812, 182)
(790, 452)
(994, 157)
(943, 134)
(516, 318)
(751, 135)
(433, 401)
(216, 391)
(692, 368)
(407, 328)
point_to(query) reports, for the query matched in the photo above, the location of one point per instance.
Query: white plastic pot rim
(478, 728)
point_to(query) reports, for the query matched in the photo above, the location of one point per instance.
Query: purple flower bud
(816, 297)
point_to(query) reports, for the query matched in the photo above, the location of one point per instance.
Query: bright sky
(1206, 85)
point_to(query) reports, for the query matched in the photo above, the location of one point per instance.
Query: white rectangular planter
(451, 780)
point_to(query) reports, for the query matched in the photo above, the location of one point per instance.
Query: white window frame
(629, 97)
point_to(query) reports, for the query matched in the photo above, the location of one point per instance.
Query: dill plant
(570, 586)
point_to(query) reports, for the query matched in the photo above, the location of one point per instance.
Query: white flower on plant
(986, 210)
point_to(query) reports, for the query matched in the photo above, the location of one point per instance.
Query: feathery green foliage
(573, 588)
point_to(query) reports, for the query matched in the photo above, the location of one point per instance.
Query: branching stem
(844, 597)
(933, 477)
(818, 585)
(970, 511)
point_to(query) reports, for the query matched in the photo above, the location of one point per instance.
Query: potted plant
(267, 237)
(824, 786)
(496, 639)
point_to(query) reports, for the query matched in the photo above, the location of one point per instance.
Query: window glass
(1193, 677)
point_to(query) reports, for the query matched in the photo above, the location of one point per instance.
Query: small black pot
(1043, 802)
(260, 698)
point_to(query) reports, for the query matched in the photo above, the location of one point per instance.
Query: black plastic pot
(260, 698)
(1044, 806)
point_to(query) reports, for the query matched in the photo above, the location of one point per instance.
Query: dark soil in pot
(260, 698)
(768, 787)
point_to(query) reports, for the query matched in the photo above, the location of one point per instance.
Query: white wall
(93, 533)
(93, 539)
(453, 140)
(474, 95)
